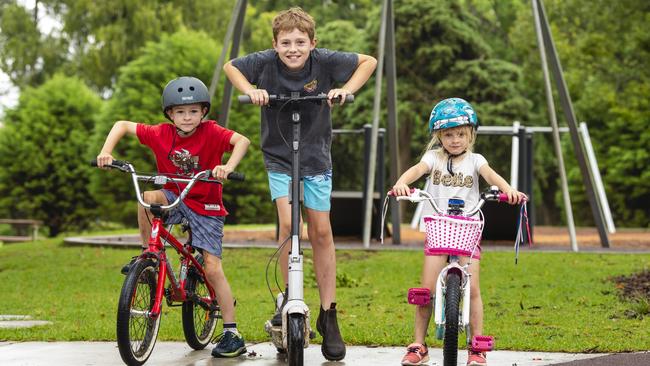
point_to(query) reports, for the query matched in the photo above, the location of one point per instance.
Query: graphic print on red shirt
(186, 156)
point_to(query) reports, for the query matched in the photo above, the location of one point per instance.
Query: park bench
(25, 229)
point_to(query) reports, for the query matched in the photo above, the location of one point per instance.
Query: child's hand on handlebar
(336, 93)
(104, 159)
(220, 172)
(258, 96)
(401, 189)
(515, 197)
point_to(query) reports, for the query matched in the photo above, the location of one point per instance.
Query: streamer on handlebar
(521, 221)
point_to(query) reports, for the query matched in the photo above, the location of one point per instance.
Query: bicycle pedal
(482, 343)
(419, 296)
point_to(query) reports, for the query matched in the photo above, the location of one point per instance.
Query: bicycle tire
(452, 305)
(295, 339)
(198, 324)
(136, 329)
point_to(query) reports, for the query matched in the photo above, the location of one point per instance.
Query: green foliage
(27, 56)
(603, 49)
(42, 152)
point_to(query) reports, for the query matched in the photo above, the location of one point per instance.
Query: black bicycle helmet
(185, 90)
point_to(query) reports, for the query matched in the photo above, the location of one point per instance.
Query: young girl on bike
(454, 171)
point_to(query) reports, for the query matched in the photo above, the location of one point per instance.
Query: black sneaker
(229, 344)
(333, 348)
(127, 267)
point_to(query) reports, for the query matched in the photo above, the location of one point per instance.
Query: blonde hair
(435, 143)
(294, 18)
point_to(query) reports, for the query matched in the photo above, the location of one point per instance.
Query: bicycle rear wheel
(452, 304)
(198, 323)
(137, 330)
(295, 339)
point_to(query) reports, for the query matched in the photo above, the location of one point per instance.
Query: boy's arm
(240, 145)
(239, 81)
(494, 179)
(401, 187)
(120, 128)
(365, 67)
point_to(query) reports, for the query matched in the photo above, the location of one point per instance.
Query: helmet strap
(450, 157)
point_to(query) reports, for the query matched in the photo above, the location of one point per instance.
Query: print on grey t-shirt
(322, 70)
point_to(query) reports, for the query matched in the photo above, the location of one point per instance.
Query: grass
(561, 302)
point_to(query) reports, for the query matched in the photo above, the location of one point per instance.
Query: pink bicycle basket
(451, 235)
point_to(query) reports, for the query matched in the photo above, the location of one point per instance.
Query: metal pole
(514, 156)
(375, 127)
(224, 49)
(556, 132)
(234, 51)
(569, 114)
(393, 134)
(598, 181)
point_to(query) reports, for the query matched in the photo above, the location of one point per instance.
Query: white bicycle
(454, 233)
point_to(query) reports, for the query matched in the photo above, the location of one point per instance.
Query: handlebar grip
(237, 176)
(391, 193)
(244, 99)
(115, 164)
(349, 98)
(502, 197)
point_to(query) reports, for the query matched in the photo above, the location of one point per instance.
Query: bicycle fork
(439, 300)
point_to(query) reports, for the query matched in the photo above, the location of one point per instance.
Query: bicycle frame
(141, 298)
(156, 250)
(454, 262)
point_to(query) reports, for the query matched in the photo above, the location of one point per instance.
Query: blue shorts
(318, 189)
(207, 231)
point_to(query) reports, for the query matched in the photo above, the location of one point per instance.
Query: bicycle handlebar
(417, 195)
(245, 99)
(202, 176)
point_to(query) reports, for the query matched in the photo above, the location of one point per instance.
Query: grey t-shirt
(322, 70)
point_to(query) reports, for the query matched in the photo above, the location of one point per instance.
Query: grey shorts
(207, 231)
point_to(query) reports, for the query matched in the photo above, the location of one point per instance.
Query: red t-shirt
(188, 155)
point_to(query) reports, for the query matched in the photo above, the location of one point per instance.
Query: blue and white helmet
(452, 112)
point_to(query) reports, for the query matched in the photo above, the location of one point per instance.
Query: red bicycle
(140, 304)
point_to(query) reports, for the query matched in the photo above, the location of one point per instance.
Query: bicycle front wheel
(198, 323)
(137, 330)
(452, 305)
(295, 339)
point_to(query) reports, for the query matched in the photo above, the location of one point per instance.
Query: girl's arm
(240, 146)
(494, 179)
(120, 128)
(414, 173)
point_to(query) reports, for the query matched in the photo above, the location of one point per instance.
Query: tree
(26, 55)
(97, 38)
(441, 52)
(43, 154)
(604, 51)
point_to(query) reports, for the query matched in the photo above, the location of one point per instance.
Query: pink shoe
(476, 359)
(416, 354)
